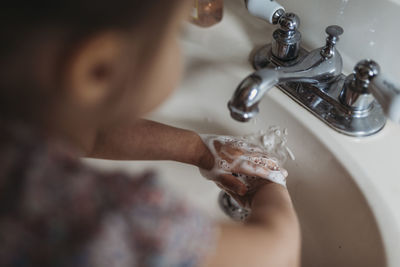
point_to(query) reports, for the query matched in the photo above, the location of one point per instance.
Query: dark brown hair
(26, 22)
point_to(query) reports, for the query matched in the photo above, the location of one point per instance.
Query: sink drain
(232, 208)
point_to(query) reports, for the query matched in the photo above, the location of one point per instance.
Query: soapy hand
(240, 167)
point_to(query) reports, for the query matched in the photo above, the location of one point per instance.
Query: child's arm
(148, 140)
(271, 237)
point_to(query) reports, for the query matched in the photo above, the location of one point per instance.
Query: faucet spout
(244, 103)
(315, 68)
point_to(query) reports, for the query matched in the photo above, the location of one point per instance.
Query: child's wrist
(204, 159)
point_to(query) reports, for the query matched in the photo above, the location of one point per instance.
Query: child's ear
(94, 69)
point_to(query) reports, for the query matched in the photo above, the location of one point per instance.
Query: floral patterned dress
(55, 211)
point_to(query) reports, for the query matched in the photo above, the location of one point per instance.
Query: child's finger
(232, 183)
(262, 159)
(251, 169)
(240, 199)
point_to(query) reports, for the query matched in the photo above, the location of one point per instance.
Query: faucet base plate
(324, 101)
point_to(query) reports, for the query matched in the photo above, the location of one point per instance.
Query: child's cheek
(165, 76)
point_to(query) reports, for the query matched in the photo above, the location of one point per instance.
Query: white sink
(341, 218)
(337, 224)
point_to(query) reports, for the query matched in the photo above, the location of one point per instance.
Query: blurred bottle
(207, 12)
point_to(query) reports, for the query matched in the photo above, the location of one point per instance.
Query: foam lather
(264, 154)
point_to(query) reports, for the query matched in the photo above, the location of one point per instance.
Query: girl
(75, 76)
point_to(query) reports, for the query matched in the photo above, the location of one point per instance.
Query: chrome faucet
(368, 84)
(354, 105)
(321, 67)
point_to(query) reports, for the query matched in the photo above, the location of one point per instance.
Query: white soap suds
(260, 154)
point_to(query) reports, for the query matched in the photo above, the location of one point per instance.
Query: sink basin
(339, 226)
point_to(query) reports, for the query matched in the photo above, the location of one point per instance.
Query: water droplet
(285, 131)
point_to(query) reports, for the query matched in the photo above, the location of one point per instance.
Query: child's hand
(238, 166)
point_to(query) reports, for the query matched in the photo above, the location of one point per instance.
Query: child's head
(96, 62)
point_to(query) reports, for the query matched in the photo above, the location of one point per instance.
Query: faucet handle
(367, 73)
(268, 10)
(333, 31)
(367, 83)
(285, 45)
